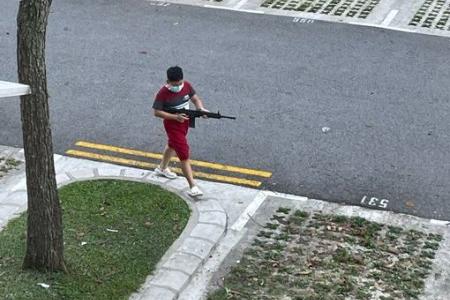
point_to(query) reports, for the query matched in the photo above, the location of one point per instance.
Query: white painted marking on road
(234, 9)
(302, 20)
(439, 222)
(374, 201)
(240, 4)
(391, 15)
(249, 211)
(158, 3)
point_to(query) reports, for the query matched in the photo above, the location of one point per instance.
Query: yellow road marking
(147, 165)
(199, 163)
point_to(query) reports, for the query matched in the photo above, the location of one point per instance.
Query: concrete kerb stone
(212, 217)
(192, 252)
(159, 293)
(189, 251)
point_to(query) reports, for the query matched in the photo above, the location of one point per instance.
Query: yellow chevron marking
(199, 163)
(141, 164)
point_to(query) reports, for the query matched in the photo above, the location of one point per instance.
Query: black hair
(174, 73)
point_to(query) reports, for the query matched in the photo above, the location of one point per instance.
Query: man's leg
(167, 155)
(187, 172)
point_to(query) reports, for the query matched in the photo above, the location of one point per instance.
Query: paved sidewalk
(218, 223)
(420, 16)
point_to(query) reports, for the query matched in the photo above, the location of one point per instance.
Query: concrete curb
(205, 229)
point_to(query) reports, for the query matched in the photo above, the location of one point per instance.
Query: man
(176, 94)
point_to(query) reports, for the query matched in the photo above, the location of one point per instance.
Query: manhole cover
(346, 8)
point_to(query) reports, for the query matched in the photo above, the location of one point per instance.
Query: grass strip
(115, 232)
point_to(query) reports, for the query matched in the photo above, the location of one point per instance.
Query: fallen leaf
(410, 204)
(304, 272)
(393, 250)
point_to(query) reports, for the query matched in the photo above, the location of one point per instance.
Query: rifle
(192, 114)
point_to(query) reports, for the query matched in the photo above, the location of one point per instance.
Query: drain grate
(346, 8)
(433, 14)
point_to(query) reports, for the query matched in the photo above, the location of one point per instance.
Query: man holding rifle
(175, 95)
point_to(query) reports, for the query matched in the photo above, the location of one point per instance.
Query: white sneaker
(166, 173)
(195, 191)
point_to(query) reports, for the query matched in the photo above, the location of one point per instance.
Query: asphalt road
(383, 94)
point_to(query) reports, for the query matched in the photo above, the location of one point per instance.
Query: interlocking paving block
(157, 293)
(65, 164)
(135, 173)
(18, 198)
(433, 14)
(156, 179)
(213, 217)
(82, 173)
(184, 262)
(8, 211)
(62, 178)
(3, 195)
(177, 184)
(209, 205)
(197, 247)
(170, 278)
(210, 232)
(21, 185)
(109, 172)
(345, 8)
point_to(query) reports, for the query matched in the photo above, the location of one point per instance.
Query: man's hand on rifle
(181, 118)
(204, 109)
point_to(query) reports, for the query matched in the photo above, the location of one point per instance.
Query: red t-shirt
(176, 131)
(167, 99)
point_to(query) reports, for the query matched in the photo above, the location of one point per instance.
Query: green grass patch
(110, 264)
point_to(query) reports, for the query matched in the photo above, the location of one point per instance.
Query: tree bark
(45, 248)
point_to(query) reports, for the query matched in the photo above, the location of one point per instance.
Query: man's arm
(168, 116)
(197, 102)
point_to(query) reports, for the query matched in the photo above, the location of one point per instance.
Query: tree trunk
(45, 249)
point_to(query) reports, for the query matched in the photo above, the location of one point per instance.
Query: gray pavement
(383, 94)
(219, 221)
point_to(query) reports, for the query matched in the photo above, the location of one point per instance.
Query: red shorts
(176, 133)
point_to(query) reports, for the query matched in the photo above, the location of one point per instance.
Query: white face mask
(175, 88)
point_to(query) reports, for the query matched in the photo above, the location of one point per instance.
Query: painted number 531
(373, 201)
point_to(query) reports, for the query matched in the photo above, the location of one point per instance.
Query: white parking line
(391, 15)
